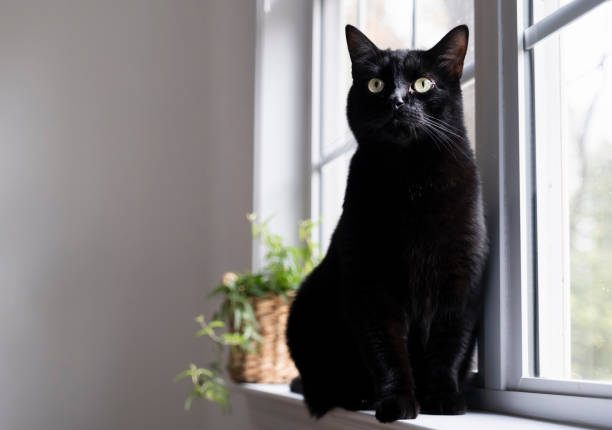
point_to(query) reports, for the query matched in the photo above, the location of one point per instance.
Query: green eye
(375, 85)
(422, 85)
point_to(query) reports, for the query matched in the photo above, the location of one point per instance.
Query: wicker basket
(272, 363)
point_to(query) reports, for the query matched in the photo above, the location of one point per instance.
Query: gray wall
(126, 132)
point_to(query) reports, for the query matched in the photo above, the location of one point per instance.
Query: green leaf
(220, 289)
(206, 331)
(237, 319)
(188, 403)
(231, 338)
(216, 324)
(184, 374)
(256, 336)
(205, 372)
(225, 310)
(215, 366)
(219, 381)
(284, 269)
(248, 347)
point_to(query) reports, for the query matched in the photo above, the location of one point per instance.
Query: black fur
(387, 321)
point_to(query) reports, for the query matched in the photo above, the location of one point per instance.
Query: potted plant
(255, 307)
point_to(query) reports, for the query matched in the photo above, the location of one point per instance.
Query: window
(544, 348)
(537, 109)
(573, 163)
(390, 24)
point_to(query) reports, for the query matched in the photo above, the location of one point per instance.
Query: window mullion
(348, 146)
(361, 12)
(488, 126)
(499, 128)
(558, 19)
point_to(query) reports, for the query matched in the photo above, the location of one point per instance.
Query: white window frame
(504, 106)
(504, 39)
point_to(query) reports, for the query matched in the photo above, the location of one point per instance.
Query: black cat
(387, 321)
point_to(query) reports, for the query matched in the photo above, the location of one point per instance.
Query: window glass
(335, 72)
(389, 23)
(469, 110)
(334, 182)
(434, 18)
(543, 8)
(573, 107)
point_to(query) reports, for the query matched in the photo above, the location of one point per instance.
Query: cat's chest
(423, 224)
(404, 209)
(417, 211)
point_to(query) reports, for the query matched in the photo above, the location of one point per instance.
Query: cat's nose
(397, 97)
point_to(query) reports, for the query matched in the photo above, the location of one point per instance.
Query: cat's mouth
(404, 126)
(401, 128)
(405, 120)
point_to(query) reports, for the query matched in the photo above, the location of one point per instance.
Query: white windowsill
(273, 406)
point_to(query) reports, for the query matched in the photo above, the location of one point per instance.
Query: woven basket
(271, 363)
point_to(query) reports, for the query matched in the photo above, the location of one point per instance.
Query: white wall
(125, 173)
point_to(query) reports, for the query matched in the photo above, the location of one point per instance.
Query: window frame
(504, 99)
(504, 113)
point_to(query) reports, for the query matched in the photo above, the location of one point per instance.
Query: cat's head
(405, 96)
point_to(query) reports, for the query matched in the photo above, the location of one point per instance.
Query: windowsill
(274, 403)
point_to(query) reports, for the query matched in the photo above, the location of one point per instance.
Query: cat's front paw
(451, 403)
(398, 407)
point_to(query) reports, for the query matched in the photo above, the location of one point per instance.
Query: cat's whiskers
(437, 141)
(445, 127)
(447, 144)
(441, 144)
(446, 136)
(449, 126)
(451, 129)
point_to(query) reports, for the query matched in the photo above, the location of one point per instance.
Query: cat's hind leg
(341, 380)
(312, 316)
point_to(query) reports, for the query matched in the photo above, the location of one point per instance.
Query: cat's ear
(450, 51)
(359, 46)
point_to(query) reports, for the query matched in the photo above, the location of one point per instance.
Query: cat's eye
(375, 85)
(422, 85)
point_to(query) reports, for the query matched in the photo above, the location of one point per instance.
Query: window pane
(434, 18)
(543, 8)
(389, 23)
(573, 107)
(469, 110)
(336, 72)
(334, 176)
